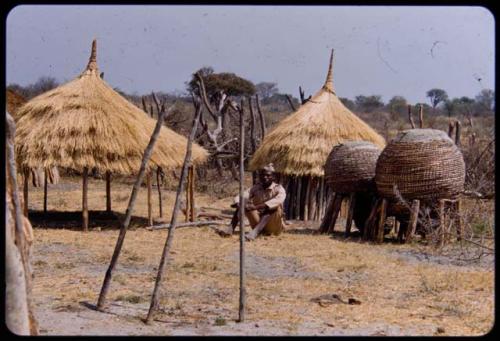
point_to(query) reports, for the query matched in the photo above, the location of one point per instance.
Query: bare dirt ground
(297, 283)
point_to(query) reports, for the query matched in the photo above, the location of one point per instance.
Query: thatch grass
(300, 144)
(85, 123)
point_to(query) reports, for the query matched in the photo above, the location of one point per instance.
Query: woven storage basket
(350, 167)
(423, 164)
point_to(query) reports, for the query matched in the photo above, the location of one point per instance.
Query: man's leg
(259, 227)
(275, 224)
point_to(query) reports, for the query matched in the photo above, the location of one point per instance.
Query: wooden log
(381, 221)
(45, 187)
(337, 203)
(412, 225)
(191, 193)
(180, 188)
(158, 186)
(85, 208)
(128, 214)
(26, 175)
(242, 298)
(410, 118)
(108, 191)
(188, 224)
(350, 214)
(442, 228)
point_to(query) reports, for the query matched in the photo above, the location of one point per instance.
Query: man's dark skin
(266, 178)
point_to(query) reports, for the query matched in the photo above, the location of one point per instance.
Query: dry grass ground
(401, 291)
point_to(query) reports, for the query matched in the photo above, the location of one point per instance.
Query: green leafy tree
(229, 83)
(437, 96)
(397, 106)
(349, 104)
(369, 103)
(266, 89)
(485, 101)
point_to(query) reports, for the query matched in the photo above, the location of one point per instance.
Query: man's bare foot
(249, 236)
(225, 232)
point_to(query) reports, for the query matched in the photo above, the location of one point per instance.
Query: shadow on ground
(73, 219)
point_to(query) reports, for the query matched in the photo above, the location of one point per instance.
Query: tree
(43, 84)
(369, 103)
(349, 104)
(397, 106)
(437, 96)
(228, 83)
(485, 101)
(266, 89)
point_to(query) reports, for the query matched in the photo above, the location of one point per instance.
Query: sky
(379, 50)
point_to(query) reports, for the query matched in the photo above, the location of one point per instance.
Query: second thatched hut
(299, 146)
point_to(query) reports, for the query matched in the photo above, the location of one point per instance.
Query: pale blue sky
(378, 50)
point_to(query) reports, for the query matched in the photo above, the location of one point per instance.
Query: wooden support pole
(298, 201)
(367, 230)
(457, 133)
(242, 298)
(108, 191)
(313, 202)
(188, 197)
(337, 203)
(421, 115)
(327, 217)
(149, 185)
(321, 206)
(170, 237)
(458, 219)
(85, 208)
(128, 215)
(191, 194)
(158, 185)
(451, 127)
(381, 221)
(307, 198)
(26, 175)
(261, 118)
(412, 225)
(410, 118)
(45, 187)
(350, 214)
(442, 228)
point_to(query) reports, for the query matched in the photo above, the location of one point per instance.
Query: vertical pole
(313, 210)
(150, 205)
(381, 221)
(412, 226)
(45, 185)
(188, 197)
(158, 185)
(298, 201)
(173, 223)
(441, 223)
(85, 208)
(458, 219)
(191, 193)
(242, 224)
(307, 198)
(337, 203)
(321, 205)
(451, 126)
(350, 213)
(128, 215)
(410, 118)
(457, 133)
(108, 191)
(421, 115)
(26, 174)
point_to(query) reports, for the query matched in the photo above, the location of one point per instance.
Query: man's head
(266, 175)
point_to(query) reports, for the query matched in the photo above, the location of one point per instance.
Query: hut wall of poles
(306, 197)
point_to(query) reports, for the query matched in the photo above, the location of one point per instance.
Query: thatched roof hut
(300, 144)
(85, 123)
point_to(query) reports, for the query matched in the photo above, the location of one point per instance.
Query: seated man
(263, 206)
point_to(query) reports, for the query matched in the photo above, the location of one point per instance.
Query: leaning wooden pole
(158, 185)
(173, 222)
(128, 215)
(188, 197)
(242, 301)
(192, 216)
(85, 205)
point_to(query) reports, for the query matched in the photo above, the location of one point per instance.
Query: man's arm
(278, 199)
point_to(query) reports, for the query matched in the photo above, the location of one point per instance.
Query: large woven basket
(350, 167)
(421, 164)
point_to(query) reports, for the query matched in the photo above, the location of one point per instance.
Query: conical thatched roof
(14, 102)
(300, 144)
(85, 123)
